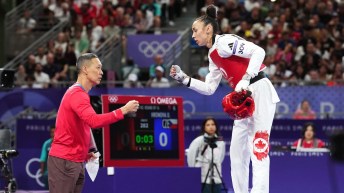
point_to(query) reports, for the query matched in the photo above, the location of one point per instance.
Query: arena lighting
(273, 0)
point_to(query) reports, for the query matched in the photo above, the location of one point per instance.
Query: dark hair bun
(211, 11)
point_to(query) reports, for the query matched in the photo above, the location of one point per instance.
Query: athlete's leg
(259, 139)
(240, 156)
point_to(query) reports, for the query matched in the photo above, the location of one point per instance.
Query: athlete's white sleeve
(212, 81)
(231, 44)
(193, 152)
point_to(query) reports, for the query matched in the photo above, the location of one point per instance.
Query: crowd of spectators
(303, 39)
(91, 23)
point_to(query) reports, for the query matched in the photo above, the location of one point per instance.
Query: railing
(52, 33)
(13, 16)
(110, 53)
(28, 113)
(15, 43)
(178, 50)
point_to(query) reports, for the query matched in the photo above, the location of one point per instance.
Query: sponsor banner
(32, 133)
(143, 48)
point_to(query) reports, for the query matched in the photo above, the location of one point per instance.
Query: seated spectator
(41, 57)
(308, 138)
(158, 61)
(42, 78)
(61, 42)
(304, 111)
(81, 43)
(132, 82)
(30, 64)
(159, 81)
(20, 75)
(312, 78)
(298, 77)
(129, 68)
(203, 70)
(60, 9)
(30, 82)
(111, 29)
(51, 67)
(26, 24)
(140, 21)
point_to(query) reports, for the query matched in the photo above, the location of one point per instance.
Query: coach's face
(94, 71)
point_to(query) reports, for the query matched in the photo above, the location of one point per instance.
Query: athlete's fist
(130, 107)
(177, 73)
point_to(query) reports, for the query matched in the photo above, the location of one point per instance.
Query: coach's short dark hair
(83, 59)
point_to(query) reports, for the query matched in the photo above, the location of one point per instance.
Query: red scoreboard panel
(153, 136)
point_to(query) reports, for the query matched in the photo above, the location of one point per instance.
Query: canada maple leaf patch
(261, 145)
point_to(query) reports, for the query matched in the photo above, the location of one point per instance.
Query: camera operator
(6, 171)
(200, 155)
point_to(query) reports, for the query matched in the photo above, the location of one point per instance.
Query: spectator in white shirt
(41, 57)
(26, 24)
(42, 78)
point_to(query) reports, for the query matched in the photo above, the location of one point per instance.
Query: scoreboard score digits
(153, 136)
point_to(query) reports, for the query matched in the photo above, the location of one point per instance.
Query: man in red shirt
(75, 117)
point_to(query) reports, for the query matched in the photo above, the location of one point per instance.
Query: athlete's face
(94, 71)
(200, 33)
(210, 127)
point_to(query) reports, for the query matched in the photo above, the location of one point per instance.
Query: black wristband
(188, 85)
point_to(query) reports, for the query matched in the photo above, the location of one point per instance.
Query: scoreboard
(153, 136)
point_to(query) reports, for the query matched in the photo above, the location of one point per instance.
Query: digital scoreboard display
(153, 136)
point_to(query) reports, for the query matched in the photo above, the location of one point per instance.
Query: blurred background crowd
(303, 39)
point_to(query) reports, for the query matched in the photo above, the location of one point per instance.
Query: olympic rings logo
(35, 175)
(191, 104)
(150, 49)
(113, 99)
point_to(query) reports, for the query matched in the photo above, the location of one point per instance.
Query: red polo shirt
(74, 119)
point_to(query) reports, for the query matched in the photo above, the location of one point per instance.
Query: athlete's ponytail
(210, 17)
(211, 12)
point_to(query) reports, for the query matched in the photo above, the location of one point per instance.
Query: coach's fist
(130, 107)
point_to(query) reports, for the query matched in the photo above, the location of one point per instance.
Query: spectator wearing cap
(132, 81)
(158, 61)
(159, 81)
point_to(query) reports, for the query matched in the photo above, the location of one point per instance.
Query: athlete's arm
(208, 87)
(212, 81)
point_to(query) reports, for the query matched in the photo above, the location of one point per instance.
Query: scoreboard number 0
(163, 139)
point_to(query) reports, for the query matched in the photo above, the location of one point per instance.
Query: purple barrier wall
(297, 171)
(146, 180)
